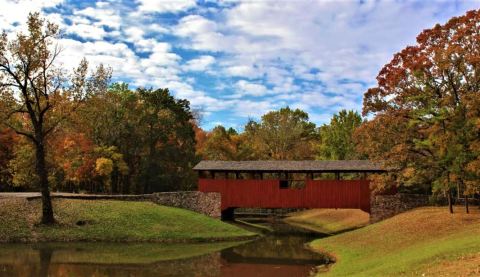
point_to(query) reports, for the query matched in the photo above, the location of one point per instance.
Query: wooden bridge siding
(347, 194)
(351, 194)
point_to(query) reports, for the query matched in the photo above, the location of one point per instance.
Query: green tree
(336, 138)
(285, 134)
(169, 140)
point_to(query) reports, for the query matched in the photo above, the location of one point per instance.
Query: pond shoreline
(190, 240)
(282, 252)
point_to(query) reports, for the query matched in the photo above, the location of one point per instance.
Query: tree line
(285, 134)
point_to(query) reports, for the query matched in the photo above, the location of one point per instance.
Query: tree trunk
(450, 205)
(466, 204)
(41, 170)
(45, 260)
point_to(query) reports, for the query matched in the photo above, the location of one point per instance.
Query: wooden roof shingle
(292, 166)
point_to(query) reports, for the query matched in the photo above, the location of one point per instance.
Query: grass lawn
(422, 242)
(329, 221)
(112, 221)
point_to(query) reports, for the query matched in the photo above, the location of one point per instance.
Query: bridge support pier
(228, 214)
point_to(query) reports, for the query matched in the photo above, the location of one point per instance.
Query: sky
(236, 60)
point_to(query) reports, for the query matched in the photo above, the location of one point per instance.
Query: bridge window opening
(271, 176)
(316, 176)
(353, 176)
(231, 175)
(292, 180)
(220, 175)
(257, 176)
(324, 176)
(244, 176)
(205, 174)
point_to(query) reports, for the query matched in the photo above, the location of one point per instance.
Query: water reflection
(278, 254)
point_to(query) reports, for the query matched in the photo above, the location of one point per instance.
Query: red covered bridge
(288, 184)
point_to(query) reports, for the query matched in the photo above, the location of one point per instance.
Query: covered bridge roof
(292, 166)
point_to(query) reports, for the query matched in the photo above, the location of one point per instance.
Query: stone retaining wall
(208, 203)
(385, 206)
(205, 203)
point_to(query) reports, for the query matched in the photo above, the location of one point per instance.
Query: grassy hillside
(98, 220)
(329, 221)
(421, 242)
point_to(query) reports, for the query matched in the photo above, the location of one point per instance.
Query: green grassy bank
(329, 221)
(422, 242)
(113, 221)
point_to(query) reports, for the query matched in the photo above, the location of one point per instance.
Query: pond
(278, 253)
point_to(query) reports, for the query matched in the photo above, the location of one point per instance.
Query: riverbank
(111, 221)
(329, 221)
(425, 241)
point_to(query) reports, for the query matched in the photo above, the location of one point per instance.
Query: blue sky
(236, 60)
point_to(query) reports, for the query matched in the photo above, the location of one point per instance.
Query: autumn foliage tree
(427, 106)
(8, 140)
(151, 129)
(37, 94)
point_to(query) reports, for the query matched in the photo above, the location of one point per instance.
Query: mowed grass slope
(329, 221)
(99, 220)
(422, 242)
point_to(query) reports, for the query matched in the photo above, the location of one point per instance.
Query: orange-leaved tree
(426, 106)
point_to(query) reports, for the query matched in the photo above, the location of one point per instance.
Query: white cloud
(242, 71)
(161, 55)
(134, 33)
(163, 6)
(201, 33)
(16, 12)
(247, 88)
(87, 31)
(103, 14)
(199, 64)
(145, 45)
(194, 25)
(156, 28)
(252, 109)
